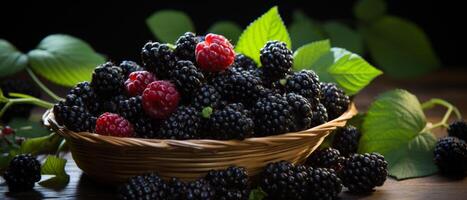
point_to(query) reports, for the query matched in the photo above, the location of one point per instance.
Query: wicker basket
(114, 159)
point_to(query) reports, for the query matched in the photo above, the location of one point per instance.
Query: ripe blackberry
(243, 63)
(185, 46)
(74, 117)
(114, 125)
(22, 173)
(158, 59)
(176, 189)
(144, 187)
(320, 115)
(137, 82)
(272, 115)
(183, 124)
(323, 184)
(146, 127)
(128, 67)
(230, 184)
(362, 172)
(276, 59)
(239, 86)
(334, 99)
(282, 180)
(131, 109)
(305, 83)
(111, 104)
(18, 86)
(206, 96)
(215, 53)
(187, 78)
(199, 190)
(232, 122)
(451, 156)
(302, 111)
(160, 99)
(346, 140)
(84, 92)
(326, 158)
(107, 79)
(458, 129)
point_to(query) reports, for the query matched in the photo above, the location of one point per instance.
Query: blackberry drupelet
(458, 129)
(362, 172)
(85, 93)
(17, 86)
(185, 47)
(239, 86)
(146, 127)
(334, 99)
(302, 110)
(158, 58)
(346, 140)
(323, 184)
(320, 115)
(107, 79)
(276, 59)
(128, 66)
(144, 187)
(282, 180)
(231, 122)
(111, 104)
(305, 83)
(131, 109)
(200, 190)
(451, 156)
(272, 115)
(176, 189)
(326, 158)
(22, 173)
(230, 184)
(187, 78)
(182, 124)
(74, 117)
(207, 96)
(243, 63)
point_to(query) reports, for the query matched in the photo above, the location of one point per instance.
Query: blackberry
(176, 189)
(276, 59)
(323, 184)
(334, 99)
(458, 129)
(200, 190)
(107, 79)
(282, 180)
(131, 109)
(272, 115)
(158, 58)
(243, 63)
(206, 96)
(84, 92)
(302, 111)
(346, 140)
(187, 78)
(326, 158)
(230, 184)
(18, 86)
(128, 66)
(451, 156)
(146, 127)
(185, 46)
(320, 115)
(144, 187)
(232, 122)
(74, 117)
(239, 86)
(22, 173)
(305, 83)
(112, 104)
(362, 172)
(182, 124)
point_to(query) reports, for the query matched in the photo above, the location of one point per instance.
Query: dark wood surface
(451, 86)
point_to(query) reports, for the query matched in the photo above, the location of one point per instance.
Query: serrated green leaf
(11, 60)
(230, 30)
(394, 127)
(304, 30)
(307, 55)
(257, 194)
(44, 144)
(28, 129)
(54, 166)
(267, 27)
(343, 36)
(404, 53)
(64, 60)
(368, 10)
(168, 25)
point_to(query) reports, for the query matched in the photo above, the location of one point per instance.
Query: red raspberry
(137, 82)
(7, 131)
(215, 53)
(114, 125)
(160, 99)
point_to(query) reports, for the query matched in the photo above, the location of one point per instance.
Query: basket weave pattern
(114, 159)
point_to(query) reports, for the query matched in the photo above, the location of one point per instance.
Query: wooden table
(451, 86)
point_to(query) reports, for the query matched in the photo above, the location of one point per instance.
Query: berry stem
(42, 86)
(450, 109)
(24, 99)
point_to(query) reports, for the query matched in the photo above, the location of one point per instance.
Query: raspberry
(346, 140)
(334, 99)
(362, 172)
(451, 156)
(232, 122)
(326, 158)
(107, 79)
(458, 129)
(183, 124)
(128, 67)
(158, 59)
(320, 115)
(131, 109)
(215, 53)
(137, 82)
(17, 86)
(243, 63)
(186, 45)
(276, 59)
(147, 186)
(273, 115)
(187, 78)
(230, 183)
(305, 83)
(207, 96)
(22, 173)
(114, 125)
(302, 111)
(146, 127)
(160, 99)
(7, 130)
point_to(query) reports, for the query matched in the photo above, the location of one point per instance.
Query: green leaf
(28, 129)
(404, 53)
(304, 30)
(394, 126)
(368, 10)
(230, 30)
(54, 166)
(307, 55)
(168, 25)
(64, 60)
(257, 194)
(11, 60)
(44, 144)
(343, 36)
(267, 27)
(357, 121)
(5, 159)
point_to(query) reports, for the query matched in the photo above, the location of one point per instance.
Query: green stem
(42, 86)
(450, 109)
(31, 100)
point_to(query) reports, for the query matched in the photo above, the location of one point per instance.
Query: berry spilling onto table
(200, 88)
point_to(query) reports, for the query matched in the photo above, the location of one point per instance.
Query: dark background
(118, 30)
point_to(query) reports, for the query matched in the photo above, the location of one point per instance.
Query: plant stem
(42, 86)
(450, 109)
(30, 100)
